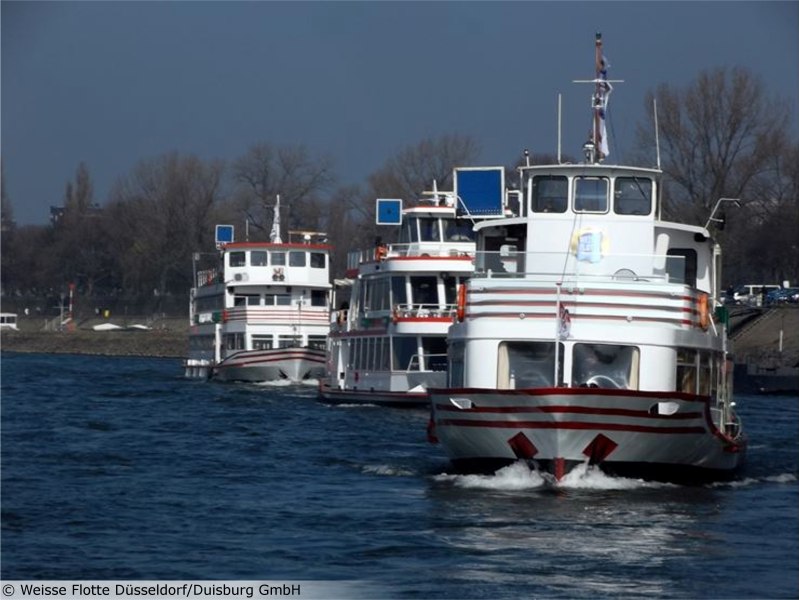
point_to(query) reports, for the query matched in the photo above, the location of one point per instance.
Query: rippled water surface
(117, 468)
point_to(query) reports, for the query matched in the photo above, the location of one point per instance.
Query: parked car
(752, 293)
(783, 295)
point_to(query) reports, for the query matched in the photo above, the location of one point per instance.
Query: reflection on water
(625, 532)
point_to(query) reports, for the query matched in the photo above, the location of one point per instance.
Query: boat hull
(650, 435)
(281, 364)
(335, 395)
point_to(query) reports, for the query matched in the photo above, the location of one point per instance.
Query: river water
(118, 468)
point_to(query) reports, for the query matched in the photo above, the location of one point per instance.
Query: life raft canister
(460, 310)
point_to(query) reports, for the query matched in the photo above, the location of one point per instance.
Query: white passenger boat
(263, 313)
(389, 345)
(599, 339)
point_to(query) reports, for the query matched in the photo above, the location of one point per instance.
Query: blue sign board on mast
(480, 190)
(388, 211)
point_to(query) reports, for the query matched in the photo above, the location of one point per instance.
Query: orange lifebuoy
(460, 310)
(704, 316)
(380, 253)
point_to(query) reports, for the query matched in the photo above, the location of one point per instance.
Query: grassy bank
(164, 343)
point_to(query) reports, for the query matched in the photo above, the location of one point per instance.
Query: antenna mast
(596, 148)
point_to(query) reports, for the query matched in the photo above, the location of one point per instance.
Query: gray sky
(113, 83)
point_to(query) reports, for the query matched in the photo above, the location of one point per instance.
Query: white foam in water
(586, 477)
(784, 478)
(275, 383)
(517, 476)
(387, 470)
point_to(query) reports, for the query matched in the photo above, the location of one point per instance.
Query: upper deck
(265, 263)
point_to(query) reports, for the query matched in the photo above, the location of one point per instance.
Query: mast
(596, 149)
(274, 236)
(602, 90)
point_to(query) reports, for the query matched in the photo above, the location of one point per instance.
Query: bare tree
(161, 213)
(723, 136)
(291, 171)
(406, 175)
(720, 136)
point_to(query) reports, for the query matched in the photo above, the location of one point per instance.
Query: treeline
(720, 136)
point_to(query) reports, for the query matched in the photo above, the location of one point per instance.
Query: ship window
(459, 231)
(686, 371)
(234, 341)
(425, 291)
(258, 258)
(262, 342)
(429, 230)
(279, 299)
(405, 351)
(456, 358)
(237, 259)
(605, 366)
(287, 341)
(681, 265)
(246, 300)
(318, 260)
(632, 196)
(318, 298)
(527, 365)
(435, 353)
(317, 342)
(410, 231)
(398, 291)
(550, 194)
(296, 259)
(278, 258)
(591, 194)
(706, 383)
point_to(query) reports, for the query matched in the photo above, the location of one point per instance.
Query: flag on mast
(601, 94)
(274, 236)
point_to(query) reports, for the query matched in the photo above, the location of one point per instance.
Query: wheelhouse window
(591, 194)
(632, 196)
(318, 260)
(429, 230)
(296, 259)
(605, 366)
(237, 259)
(258, 258)
(410, 231)
(458, 231)
(550, 193)
(527, 365)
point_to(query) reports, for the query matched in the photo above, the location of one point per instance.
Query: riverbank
(158, 343)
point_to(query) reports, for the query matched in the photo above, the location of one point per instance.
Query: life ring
(380, 253)
(704, 316)
(460, 310)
